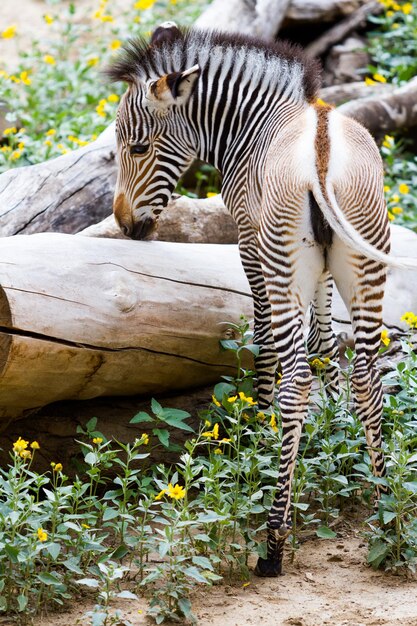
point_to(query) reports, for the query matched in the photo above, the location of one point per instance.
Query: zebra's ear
(174, 88)
(165, 33)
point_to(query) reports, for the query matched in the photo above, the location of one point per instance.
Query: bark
(341, 30)
(83, 317)
(304, 11)
(64, 195)
(339, 94)
(385, 114)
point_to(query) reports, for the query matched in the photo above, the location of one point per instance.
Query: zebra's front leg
(321, 338)
(267, 361)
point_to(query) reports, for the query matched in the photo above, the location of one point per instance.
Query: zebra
(305, 187)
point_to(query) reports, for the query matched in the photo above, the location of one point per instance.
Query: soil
(329, 583)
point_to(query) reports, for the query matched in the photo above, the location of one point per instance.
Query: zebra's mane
(141, 61)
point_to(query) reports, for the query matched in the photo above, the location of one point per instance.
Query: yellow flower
(51, 132)
(395, 198)
(385, 338)
(142, 5)
(369, 81)
(160, 494)
(218, 451)
(225, 440)
(390, 13)
(113, 97)
(407, 8)
(211, 194)
(273, 423)
(403, 188)
(176, 492)
(396, 210)
(34, 445)
(388, 141)
(93, 61)
(9, 32)
(379, 78)
(260, 415)
(3, 74)
(86, 526)
(208, 434)
(48, 143)
(100, 108)
(49, 59)
(15, 155)
(145, 439)
(48, 18)
(247, 399)
(42, 535)
(20, 445)
(232, 399)
(14, 79)
(10, 131)
(216, 431)
(318, 364)
(115, 44)
(215, 401)
(391, 216)
(24, 77)
(410, 319)
(387, 188)
(395, 26)
(57, 467)
(98, 440)
(26, 454)
(6, 149)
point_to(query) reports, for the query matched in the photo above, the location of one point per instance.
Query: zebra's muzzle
(142, 228)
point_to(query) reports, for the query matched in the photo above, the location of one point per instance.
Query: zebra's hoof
(268, 568)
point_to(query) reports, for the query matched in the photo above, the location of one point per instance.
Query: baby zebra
(305, 187)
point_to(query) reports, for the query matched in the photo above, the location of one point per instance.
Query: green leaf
(72, 566)
(324, 532)
(229, 344)
(193, 572)
(377, 553)
(127, 594)
(223, 389)
(156, 407)
(141, 417)
(120, 552)
(252, 347)
(88, 582)
(22, 601)
(203, 561)
(54, 549)
(185, 607)
(49, 579)
(110, 513)
(163, 436)
(388, 516)
(12, 552)
(91, 458)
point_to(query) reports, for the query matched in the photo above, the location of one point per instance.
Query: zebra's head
(154, 145)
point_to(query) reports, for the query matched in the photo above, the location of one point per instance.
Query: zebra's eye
(138, 148)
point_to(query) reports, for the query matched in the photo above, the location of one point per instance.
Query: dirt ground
(328, 584)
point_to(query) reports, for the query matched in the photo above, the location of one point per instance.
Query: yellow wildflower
(379, 78)
(113, 97)
(176, 492)
(410, 319)
(86, 526)
(403, 188)
(15, 79)
(232, 399)
(208, 434)
(260, 415)
(34, 445)
(160, 494)
(407, 8)
(57, 467)
(396, 210)
(385, 338)
(3, 74)
(216, 431)
(273, 423)
(369, 81)
(247, 399)
(51, 132)
(115, 44)
(218, 451)
(42, 535)
(10, 131)
(395, 26)
(15, 155)
(92, 62)
(48, 143)
(215, 401)
(26, 454)
(225, 440)
(387, 188)
(21, 145)
(100, 108)
(24, 77)
(388, 141)
(48, 19)
(318, 364)
(395, 198)
(6, 149)
(49, 59)
(390, 13)
(98, 440)
(391, 216)
(145, 439)
(211, 194)
(142, 5)
(9, 32)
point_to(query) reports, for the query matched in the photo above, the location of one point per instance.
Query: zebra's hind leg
(321, 338)
(361, 286)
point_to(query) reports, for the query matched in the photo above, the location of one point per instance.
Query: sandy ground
(328, 584)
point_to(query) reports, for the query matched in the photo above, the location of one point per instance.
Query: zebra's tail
(324, 194)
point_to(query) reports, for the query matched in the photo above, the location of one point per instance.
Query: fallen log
(83, 317)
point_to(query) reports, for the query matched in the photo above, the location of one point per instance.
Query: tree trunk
(83, 317)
